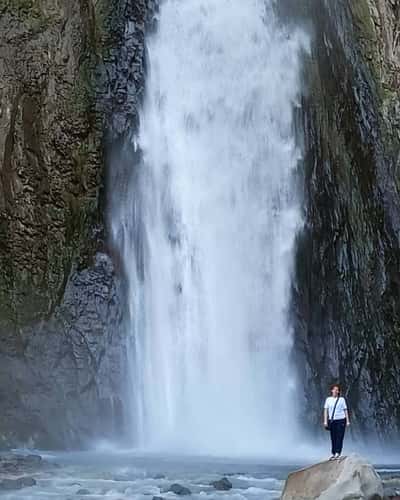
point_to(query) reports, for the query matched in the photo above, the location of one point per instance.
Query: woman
(336, 419)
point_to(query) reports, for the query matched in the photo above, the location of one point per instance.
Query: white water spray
(209, 228)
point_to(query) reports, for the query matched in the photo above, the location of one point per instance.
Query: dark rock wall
(70, 73)
(347, 289)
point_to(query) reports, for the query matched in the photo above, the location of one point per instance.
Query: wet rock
(85, 351)
(14, 464)
(17, 484)
(158, 498)
(350, 478)
(33, 460)
(180, 490)
(83, 491)
(222, 484)
(60, 308)
(346, 290)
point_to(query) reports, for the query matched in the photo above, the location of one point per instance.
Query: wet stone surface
(222, 484)
(17, 471)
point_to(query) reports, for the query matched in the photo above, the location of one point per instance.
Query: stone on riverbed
(180, 490)
(222, 484)
(16, 470)
(83, 491)
(349, 478)
(17, 465)
(17, 484)
(10, 462)
(33, 460)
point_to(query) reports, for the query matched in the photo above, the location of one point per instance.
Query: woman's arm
(325, 417)
(347, 417)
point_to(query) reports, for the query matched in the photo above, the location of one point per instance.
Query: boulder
(222, 484)
(349, 478)
(178, 489)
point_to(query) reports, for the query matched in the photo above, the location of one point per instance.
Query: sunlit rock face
(347, 292)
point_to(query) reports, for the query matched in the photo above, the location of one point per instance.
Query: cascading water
(207, 231)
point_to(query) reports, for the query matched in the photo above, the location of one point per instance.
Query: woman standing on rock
(336, 419)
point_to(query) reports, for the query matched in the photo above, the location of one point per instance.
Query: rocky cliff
(347, 290)
(71, 74)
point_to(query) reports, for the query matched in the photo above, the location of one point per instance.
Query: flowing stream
(126, 476)
(207, 231)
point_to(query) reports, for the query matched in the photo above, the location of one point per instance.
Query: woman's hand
(348, 423)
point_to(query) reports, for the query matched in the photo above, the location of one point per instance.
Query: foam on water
(128, 476)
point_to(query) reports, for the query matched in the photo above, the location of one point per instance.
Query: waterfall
(207, 230)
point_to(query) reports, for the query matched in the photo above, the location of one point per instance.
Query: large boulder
(180, 490)
(222, 484)
(349, 478)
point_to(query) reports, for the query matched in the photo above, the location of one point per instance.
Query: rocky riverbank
(18, 471)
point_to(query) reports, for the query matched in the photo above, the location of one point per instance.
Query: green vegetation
(24, 9)
(371, 45)
(104, 15)
(363, 20)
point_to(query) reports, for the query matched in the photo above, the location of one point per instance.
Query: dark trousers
(337, 428)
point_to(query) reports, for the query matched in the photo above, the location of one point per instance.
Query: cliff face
(66, 85)
(347, 290)
(51, 155)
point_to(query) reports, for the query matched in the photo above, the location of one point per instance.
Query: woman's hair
(336, 385)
